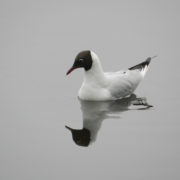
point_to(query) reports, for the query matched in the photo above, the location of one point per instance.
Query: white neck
(96, 73)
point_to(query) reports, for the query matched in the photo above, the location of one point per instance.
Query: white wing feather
(123, 83)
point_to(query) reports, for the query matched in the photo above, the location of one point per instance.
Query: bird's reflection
(93, 113)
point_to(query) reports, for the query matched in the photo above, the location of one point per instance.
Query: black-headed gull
(103, 86)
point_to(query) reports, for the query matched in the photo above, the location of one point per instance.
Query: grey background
(38, 43)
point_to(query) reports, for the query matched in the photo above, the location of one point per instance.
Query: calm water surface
(110, 139)
(46, 133)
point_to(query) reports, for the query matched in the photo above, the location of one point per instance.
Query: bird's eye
(81, 60)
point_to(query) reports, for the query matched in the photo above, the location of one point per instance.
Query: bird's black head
(82, 60)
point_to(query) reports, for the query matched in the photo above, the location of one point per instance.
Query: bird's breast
(94, 93)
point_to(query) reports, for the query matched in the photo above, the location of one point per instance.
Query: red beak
(70, 70)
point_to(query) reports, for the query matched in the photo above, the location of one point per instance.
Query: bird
(106, 86)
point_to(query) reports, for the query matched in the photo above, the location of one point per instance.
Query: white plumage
(102, 86)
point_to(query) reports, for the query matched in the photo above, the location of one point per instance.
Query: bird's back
(123, 83)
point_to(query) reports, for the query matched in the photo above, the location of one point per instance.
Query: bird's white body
(100, 86)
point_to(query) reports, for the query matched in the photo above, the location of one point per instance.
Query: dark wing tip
(141, 65)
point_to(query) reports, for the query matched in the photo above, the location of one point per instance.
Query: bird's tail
(143, 67)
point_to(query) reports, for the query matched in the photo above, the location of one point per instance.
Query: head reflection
(93, 113)
(80, 136)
